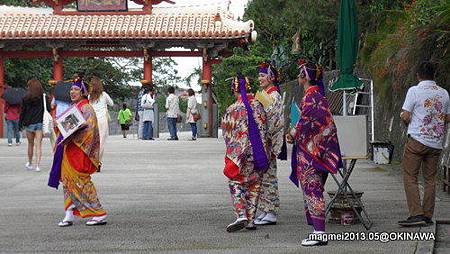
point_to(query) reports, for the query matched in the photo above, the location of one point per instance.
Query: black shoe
(413, 221)
(428, 220)
(175, 138)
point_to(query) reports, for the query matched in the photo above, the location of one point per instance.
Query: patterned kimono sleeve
(275, 124)
(317, 134)
(88, 138)
(305, 123)
(234, 127)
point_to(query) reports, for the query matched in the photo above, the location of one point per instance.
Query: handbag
(179, 118)
(47, 120)
(196, 116)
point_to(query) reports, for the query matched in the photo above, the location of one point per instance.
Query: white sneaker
(269, 219)
(9, 144)
(18, 144)
(29, 166)
(37, 169)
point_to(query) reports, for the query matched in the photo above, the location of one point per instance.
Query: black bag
(62, 91)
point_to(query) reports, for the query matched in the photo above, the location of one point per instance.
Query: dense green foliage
(17, 2)
(395, 35)
(417, 32)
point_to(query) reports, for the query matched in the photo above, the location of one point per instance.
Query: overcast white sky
(187, 64)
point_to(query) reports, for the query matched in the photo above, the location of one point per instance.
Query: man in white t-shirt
(173, 110)
(426, 110)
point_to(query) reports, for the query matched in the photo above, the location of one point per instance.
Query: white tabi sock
(69, 215)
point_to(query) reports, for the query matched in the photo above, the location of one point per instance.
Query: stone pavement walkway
(171, 197)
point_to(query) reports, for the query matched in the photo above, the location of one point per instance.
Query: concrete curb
(426, 247)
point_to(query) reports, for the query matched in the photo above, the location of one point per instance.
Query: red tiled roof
(187, 22)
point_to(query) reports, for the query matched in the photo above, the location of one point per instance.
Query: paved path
(171, 197)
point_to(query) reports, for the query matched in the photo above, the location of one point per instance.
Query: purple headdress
(272, 72)
(313, 72)
(80, 83)
(261, 162)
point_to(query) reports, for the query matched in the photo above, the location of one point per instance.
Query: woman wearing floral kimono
(244, 130)
(269, 200)
(316, 148)
(75, 159)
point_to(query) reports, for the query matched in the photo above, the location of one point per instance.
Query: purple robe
(315, 141)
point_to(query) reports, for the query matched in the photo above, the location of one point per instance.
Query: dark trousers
(415, 156)
(172, 124)
(194, 129)
(147, 132)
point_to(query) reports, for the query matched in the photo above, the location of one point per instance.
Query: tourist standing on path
(316, 149)
(12, 116)
(124, 118)
(426, 110)
(75, 160)
(140, 111)
(173, 111)
(31, 118)
(100, 101)
(191, 111)
(246, 159)
(148, 114)
(269, 200)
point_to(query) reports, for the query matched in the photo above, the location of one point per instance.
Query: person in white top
(191, 111)
(100, 101)
(173, 110)
(426, 110)
(147, 103)
(140, 111)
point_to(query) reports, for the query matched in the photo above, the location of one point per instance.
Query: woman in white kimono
(100, 101)
(190, 112)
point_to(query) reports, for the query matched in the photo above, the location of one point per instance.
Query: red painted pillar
(148, 7)
(58, 68)
(206, 79)
(148, 69)
(2, 88)
(58, 8)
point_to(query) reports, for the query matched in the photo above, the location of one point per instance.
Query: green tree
(299, 29)
(165, 73)
(17, 2)
(243, 62)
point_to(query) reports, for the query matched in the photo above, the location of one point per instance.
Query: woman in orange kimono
(75, 159)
